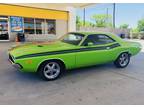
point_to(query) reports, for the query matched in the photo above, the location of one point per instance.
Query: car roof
(90, 33)
(117, 38)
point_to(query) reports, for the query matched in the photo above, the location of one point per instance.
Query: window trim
(98, 34)
(36, 23)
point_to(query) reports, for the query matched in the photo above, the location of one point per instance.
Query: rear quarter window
(98, 39)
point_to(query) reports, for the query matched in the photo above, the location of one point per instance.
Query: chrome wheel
(51, 70)
(124, 59)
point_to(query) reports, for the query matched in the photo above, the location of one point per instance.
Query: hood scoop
(39, 46)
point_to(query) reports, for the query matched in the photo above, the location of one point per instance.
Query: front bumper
(12, 61)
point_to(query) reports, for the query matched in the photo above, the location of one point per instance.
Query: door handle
(107, 48)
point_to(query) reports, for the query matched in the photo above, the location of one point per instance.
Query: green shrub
(141, 35)
(135, 35)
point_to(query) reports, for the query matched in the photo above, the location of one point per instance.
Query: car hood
(33, 48)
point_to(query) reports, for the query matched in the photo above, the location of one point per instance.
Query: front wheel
(122, 61)
(50, 70)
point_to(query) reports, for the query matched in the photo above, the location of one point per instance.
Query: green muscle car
(74, 50)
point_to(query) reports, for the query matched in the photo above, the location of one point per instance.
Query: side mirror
(90, 44)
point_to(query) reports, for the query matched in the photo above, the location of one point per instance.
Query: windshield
(73, 38)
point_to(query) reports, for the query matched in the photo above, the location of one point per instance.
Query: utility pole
(107, 12)
(84, 18)
(114, 15)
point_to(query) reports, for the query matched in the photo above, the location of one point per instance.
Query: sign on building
(16, 24)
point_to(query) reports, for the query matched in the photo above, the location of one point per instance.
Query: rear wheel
(123, 60)
(51, 70)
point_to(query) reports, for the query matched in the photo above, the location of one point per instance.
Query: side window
(103, 39)
(74, 39)
(97, 39)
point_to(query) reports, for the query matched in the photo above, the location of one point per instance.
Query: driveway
(103, 84)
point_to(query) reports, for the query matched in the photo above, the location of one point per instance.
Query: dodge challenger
(74, 50)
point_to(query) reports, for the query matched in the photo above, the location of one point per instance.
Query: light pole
(114, 15)
(84, 18)
(107, 19)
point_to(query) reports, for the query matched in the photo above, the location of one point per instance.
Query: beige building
(38, 21)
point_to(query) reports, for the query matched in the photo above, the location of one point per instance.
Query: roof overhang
(57, 6)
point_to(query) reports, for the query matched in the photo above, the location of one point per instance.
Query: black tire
(121, 62)
(42, 70)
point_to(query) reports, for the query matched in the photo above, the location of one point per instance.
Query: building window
(29, 26)
(51, 27)
(4, 28)
(3, 23)
(40, 26)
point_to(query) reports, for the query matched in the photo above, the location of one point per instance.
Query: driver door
(96, 49)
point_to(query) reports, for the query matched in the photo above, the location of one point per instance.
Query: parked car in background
(74, 50)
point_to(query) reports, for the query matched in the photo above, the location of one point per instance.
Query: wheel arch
(58, 60)
(124, 52)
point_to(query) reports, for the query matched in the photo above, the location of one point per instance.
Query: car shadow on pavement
(74, 74)
(87, 70)
(21, 76)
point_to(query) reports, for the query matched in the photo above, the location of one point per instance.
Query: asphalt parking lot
(103, 84)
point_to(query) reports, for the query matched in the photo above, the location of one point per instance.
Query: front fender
(32, 64)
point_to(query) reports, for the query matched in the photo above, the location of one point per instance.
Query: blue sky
(128, 13)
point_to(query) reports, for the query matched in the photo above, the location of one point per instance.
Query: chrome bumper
(16, 65)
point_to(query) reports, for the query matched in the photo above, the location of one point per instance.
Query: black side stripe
(70, 51)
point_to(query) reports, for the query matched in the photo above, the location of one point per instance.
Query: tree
(78, 21)
(135, 30)
(124, 26)
(89, 24)
(141, 25)
(102, 20)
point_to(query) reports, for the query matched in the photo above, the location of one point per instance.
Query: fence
(136, 35)
(127, 33)
(117, 31)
